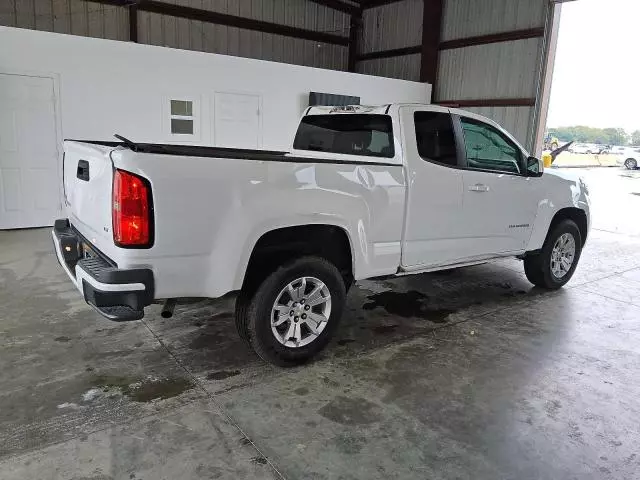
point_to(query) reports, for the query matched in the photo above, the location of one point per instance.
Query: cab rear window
(351, 134)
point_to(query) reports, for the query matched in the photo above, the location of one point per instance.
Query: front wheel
(557, 261)
(294, 312)
(631, 163)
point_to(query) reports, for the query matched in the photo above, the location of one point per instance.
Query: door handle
(479, 187)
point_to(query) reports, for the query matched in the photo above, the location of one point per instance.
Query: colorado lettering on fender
(519, 225)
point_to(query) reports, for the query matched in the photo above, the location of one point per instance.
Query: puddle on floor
(143, 390)
(409, 304)
(222, 374)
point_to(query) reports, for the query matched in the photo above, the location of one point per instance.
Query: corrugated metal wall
(406, 67)
(470, 18)
(76, 17)
(388, 27)
(497, 70)
(79, 17)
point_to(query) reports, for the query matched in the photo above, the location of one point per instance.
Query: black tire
(631, 164)
(253, 312)
(242, 307)
(537, 267)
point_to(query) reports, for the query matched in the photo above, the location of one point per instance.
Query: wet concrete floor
(471, 374)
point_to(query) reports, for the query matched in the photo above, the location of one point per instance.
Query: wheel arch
(278, 245)
(547, 220)
(571, 213)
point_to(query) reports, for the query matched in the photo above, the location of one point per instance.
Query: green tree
(635, 138)
(584, 134)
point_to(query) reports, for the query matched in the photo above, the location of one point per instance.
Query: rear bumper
(117, 294)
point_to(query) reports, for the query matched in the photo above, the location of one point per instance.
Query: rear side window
(435, 138)
(352, 134)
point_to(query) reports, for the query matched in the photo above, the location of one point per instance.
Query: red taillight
(131, 210)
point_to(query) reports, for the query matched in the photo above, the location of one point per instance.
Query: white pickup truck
(365, 192)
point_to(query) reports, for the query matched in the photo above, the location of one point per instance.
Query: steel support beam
(396, 52)
(354, 35)
(133, 24)
(376, 3)
(229, 20)
(493, 38)
(458, 43)
(338, 5)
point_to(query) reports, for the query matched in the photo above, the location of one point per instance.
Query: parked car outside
(583, 148)
(630, 158)
(617, 150)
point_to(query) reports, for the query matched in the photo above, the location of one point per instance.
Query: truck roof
(392, 108)
(372, 109)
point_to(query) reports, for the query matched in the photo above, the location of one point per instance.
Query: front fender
(559, 191)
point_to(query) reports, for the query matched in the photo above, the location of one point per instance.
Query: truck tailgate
(88, 176)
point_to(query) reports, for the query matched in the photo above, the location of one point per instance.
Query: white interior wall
(108, 87)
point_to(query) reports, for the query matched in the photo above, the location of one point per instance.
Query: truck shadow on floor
(202, 334)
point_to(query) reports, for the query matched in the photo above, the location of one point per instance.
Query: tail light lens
(131, 210)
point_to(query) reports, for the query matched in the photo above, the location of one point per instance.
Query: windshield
(351, 134)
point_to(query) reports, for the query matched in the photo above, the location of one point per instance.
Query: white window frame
(195, 116)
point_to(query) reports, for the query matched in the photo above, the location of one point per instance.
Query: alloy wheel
(563, 255)
(301, 312)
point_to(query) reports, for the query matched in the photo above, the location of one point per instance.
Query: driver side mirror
(535, 167)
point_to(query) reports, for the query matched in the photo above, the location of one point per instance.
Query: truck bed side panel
(210, 212)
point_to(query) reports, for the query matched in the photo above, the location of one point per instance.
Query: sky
(596, 79)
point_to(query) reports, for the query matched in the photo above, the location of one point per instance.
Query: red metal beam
(492, 38)
(396, 52)
(431, 24)
(133, 24)
(458, 43)
(354, 34)
(376, 3)
(229, 20)
(338, 5)
(489, 102)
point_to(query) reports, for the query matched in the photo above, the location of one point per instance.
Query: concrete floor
(471, 374)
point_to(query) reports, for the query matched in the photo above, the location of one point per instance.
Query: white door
(237, 120)
(433, 230)
(29, 172)
(500, 203)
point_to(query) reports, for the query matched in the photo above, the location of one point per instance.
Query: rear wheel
(555, 264)
(294, 312)
(631, 163)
